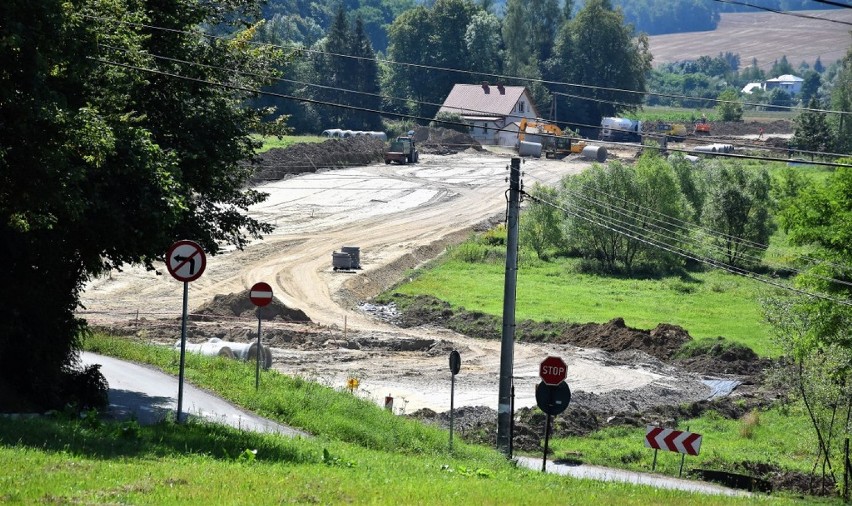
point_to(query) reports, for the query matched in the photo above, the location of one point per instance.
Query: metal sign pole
(452, 413)
(182, 351)
(546, 440)
(257, 367)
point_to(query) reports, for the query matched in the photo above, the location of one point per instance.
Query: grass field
(359, 454)
(686, 115)
(270, 142)
(781, 436)
(707, 304)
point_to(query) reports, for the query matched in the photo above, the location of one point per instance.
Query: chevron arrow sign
(672, 440)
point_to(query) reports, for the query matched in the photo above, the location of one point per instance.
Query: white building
(789, 83)
(493, 111)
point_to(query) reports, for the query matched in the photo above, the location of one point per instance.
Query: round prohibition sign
(186, 261)
(260, 294)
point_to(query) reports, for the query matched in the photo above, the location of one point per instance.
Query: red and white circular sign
(260, 294)
(553, 370)
(186, 261)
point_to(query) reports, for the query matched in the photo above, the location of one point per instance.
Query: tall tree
(812, 130)
(841, 100)
(127, 161)
(516, 36)
(600, 51)
(366, 80)
(737, 208)
(482, 40)
(337, 69)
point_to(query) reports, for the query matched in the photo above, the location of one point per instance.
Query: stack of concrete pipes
(714, 148)
(238, 351)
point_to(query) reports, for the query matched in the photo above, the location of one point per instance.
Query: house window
(521, 107)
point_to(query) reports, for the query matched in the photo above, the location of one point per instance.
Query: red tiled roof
(482, 100)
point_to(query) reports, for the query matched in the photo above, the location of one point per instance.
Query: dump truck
(402, 150)
(555, 143)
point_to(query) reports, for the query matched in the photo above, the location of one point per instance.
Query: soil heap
(443, 141)
(278, 163)
(239, 305)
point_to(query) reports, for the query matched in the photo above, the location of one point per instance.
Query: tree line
(535, 40)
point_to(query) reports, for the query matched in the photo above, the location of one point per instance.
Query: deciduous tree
(106, 164)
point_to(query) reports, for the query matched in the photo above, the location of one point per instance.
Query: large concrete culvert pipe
(246, 352)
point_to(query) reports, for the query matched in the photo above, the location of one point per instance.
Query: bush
(452, 121)
(87, 389)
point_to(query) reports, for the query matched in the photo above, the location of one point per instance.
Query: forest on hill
(306, 21)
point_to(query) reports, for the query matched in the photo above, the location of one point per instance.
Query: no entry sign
(186, 261)
(260, 294)
(552, 370)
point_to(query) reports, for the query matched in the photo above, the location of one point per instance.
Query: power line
(785, 13)
(346, 90)
(836, 4)
(410, 116)
(444, 69)
(613, 225)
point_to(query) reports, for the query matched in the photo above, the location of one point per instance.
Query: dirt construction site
(321, 325)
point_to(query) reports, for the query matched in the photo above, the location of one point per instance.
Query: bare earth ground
(765, 36)
(400, 216)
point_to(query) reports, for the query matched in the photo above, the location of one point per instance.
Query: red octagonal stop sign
(552, 370)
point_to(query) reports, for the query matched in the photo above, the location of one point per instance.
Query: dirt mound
(278, 163)
(443, 141)
(778, 126)
(662, 342)
(239, 305)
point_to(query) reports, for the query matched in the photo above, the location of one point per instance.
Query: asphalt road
(620, 475)
(150, 395)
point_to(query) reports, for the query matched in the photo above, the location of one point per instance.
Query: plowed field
(766, 36)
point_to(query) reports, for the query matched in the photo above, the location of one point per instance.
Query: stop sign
(552, 370)
(260, 294)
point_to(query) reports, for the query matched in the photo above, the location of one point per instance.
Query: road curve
(150, 395)
(623, 476)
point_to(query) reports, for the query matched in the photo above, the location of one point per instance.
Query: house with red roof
(492, 110)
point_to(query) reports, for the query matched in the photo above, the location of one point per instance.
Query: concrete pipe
(596, 153)
(529, 149)
(240, 351)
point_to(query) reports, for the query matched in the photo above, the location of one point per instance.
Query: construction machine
(555, 143)
(702, 127)
(402, 150)
(677, 131)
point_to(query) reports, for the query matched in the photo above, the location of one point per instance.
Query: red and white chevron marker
(672, 440)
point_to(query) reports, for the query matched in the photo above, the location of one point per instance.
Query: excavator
(555, 143)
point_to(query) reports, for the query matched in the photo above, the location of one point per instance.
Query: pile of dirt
(661, 342)
(614, 336)
(778, 126)
(303, 157)
(443, 141)
(239, 305)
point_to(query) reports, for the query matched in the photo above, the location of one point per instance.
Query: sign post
(455, 366)
(552, 395)
(684, 442)
(185, 261)
(260, 295)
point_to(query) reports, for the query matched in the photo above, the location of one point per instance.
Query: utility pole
(507, 352)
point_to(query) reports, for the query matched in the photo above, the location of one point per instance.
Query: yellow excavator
(554, 142)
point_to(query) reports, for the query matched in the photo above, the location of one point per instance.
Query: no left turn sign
(186, 261)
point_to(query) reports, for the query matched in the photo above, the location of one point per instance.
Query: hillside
(765, 36)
